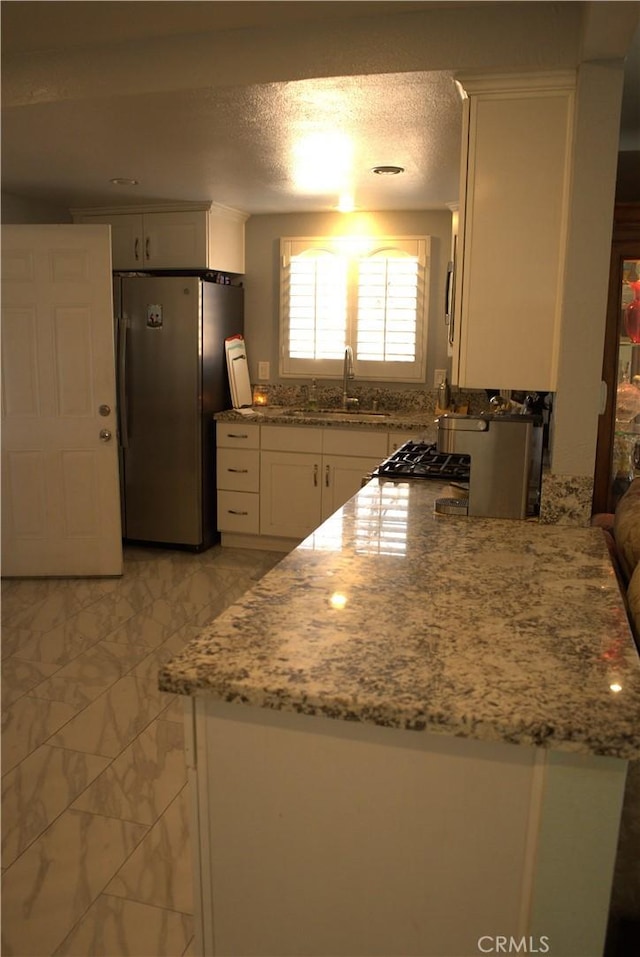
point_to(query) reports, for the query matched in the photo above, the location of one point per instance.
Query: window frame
(353, 247)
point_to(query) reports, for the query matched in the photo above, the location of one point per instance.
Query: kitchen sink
(339, 415)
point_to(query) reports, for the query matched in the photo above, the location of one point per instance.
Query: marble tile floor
(95, 804)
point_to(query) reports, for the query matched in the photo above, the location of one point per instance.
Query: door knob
(105, 410)
(105, 435)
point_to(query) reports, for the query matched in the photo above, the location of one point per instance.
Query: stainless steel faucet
(347, 373)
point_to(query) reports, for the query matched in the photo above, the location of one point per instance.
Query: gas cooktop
(421, 460)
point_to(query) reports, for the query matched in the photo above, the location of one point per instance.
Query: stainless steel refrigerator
(172, 378)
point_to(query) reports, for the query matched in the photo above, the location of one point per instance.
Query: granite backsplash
(369, 397)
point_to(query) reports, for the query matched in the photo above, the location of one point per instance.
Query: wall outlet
(439, 376)
(263, 370)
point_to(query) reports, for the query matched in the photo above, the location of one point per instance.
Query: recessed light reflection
(338, 600)
(615, 687)
(346, 203)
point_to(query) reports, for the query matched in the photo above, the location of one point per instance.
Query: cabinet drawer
(238, 469)
(284, 439)
(352, 442)
(237, 435)
(239, 512)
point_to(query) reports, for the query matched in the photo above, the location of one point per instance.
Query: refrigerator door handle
(123, 325)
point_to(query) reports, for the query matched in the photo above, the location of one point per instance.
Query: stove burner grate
(421, 460)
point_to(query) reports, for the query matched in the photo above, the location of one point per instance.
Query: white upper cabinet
(189, 236)
(514, 198)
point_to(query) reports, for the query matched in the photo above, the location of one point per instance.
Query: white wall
(263, 235)
(18, 209)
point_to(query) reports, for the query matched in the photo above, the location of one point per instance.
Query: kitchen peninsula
(412, 734)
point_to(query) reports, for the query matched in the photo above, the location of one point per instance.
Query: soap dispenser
(313, 395)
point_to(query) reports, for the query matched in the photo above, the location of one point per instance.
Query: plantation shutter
(387, 307)
(333, 295)
(317, 305)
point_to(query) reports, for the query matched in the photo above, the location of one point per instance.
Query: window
(369, 294)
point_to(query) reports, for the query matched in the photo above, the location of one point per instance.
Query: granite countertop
(383, 421)
(482, 628)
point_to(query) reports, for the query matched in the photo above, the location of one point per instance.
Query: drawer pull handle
(233, 511)
(315, 476)
(235, 435)
(326, 476)
(239, 471)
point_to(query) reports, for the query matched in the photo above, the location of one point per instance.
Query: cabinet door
(513, 220)
(396, 439)
(290, 493)
(127, 246)
(176, 240)
(342, 477)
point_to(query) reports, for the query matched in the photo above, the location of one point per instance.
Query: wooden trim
(625, 245)
(498, 83)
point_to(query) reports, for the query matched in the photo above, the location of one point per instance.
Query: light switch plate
(263, 370)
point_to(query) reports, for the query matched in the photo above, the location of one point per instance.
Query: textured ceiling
(268, 148)
(43, 25)
(151, 90)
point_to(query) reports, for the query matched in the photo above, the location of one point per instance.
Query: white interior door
(60, 484)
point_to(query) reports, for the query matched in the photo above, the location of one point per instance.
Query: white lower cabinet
(290, 493)
(239, 469)
(282, 482)
(290, 480)
(342, 477)
(238, 512)
(347, 458)
(300, 489)
(354, 840)
(396, 439)
(238, 478)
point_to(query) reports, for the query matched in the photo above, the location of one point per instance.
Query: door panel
(60, 503)
(127, 241)
(176, 240)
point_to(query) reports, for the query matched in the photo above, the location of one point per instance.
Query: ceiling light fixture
(123, 181)
(387, 170)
